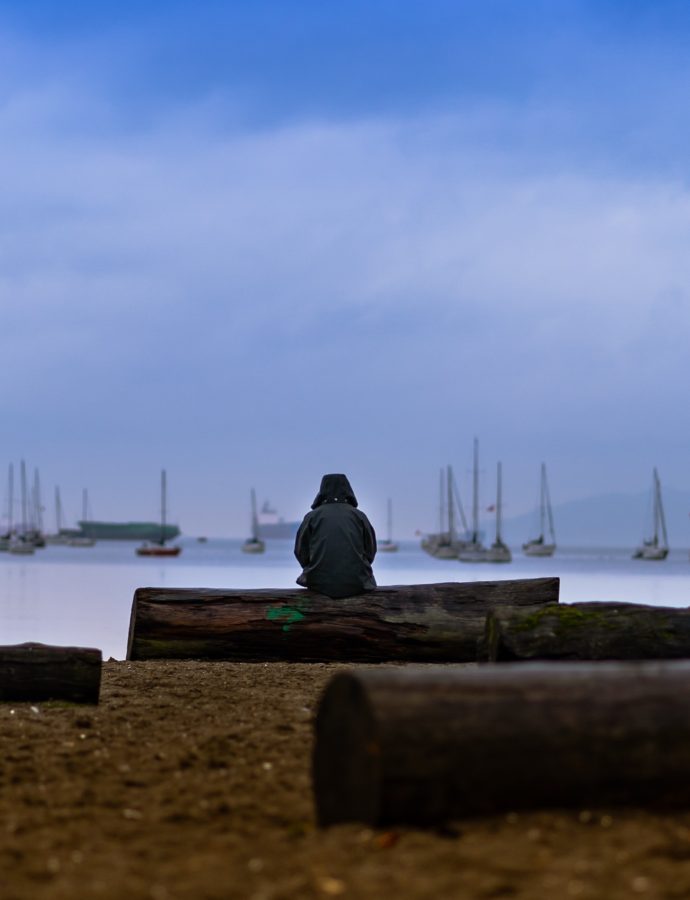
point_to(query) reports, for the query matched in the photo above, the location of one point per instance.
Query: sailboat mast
(655, 500)
(390, 520)
(58, 511)
(660, 509)
(10, 512)
(38, 505)
(255, 520)
(542, 502)
(499, 498)
(451, 508)
(549, 511)
(163, 499)
(475, 493)
(23, 490)
(441, 505)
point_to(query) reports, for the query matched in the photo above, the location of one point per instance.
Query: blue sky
(256, 241)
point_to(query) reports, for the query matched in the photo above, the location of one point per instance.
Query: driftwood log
(426, 622)
(423, 746)
(42, 672)
(625, 631)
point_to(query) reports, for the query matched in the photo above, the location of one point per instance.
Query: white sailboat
(445, 544)
(254, 544)
(389, 545)
(19, 541)
(540, 546)
(655, 547)
(474, 551)
(6, 538)
(59, 537)
(81, 540)
(499, 551)
(159, 547)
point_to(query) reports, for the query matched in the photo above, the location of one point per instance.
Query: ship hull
(127, 531)
(272, 530)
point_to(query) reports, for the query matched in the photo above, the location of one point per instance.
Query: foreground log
(424, 746)
(425, 622)
(41, 672)
(587, 631)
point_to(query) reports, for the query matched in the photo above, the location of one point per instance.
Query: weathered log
(624, 631)
(42, 672)
(425, 622)
(423, 746)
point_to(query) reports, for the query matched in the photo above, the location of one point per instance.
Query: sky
(254, 242)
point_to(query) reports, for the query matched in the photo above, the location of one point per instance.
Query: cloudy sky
(256, 241)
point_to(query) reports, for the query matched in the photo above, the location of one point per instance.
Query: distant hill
(608, 520)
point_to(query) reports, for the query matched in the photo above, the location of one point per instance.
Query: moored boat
(540, 546)
(499, 551)
(656, 546)
(254, 544)
(159, 547)
(474, 551)
(388, 545)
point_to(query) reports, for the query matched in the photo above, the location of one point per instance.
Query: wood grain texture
(35, 672)
(422, 746)
(624, 631)
(428, 622)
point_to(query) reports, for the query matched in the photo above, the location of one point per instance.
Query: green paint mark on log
(287, 614)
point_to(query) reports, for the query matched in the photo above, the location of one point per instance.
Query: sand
(191, 780)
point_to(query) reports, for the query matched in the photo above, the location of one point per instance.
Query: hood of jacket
(335, 489)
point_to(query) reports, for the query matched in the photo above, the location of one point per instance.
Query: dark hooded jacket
(336, 543)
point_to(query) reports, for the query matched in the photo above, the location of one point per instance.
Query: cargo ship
(126, 531)
(272, 526)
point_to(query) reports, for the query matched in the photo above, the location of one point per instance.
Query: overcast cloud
(254, 300)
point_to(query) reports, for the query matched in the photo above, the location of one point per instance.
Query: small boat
(159, 547)
(499, 552)
(6, 538)
(19, 542)
(540, 546)
(446, 544)
(389, 545)
(82, 540)
(473, 551)
(655, 547)
(254, 544)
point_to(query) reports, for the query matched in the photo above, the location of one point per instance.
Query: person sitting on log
(336, 543)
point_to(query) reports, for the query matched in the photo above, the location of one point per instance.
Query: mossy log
(625, 631)
(425, 622)
(422, 746)
(35, 672)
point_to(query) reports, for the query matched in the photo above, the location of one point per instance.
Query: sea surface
(82, 596)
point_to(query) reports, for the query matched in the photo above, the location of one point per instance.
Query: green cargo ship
(127, 531)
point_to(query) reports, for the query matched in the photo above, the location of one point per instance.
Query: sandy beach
(191, 780)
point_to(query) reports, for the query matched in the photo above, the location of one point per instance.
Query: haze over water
(83, 596)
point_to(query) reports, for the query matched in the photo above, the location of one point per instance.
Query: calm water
(83, 596)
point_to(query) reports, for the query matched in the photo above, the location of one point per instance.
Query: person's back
(336, 543)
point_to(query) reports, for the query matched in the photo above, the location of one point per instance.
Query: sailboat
(655, 547)
(389, 545)
(6, 538)
(473, 550)
(19, 541)
(445, 544)
(499, 552)
(540, 546)
(159, 547)
(81, 540)
(60, 537)
(254, 544)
